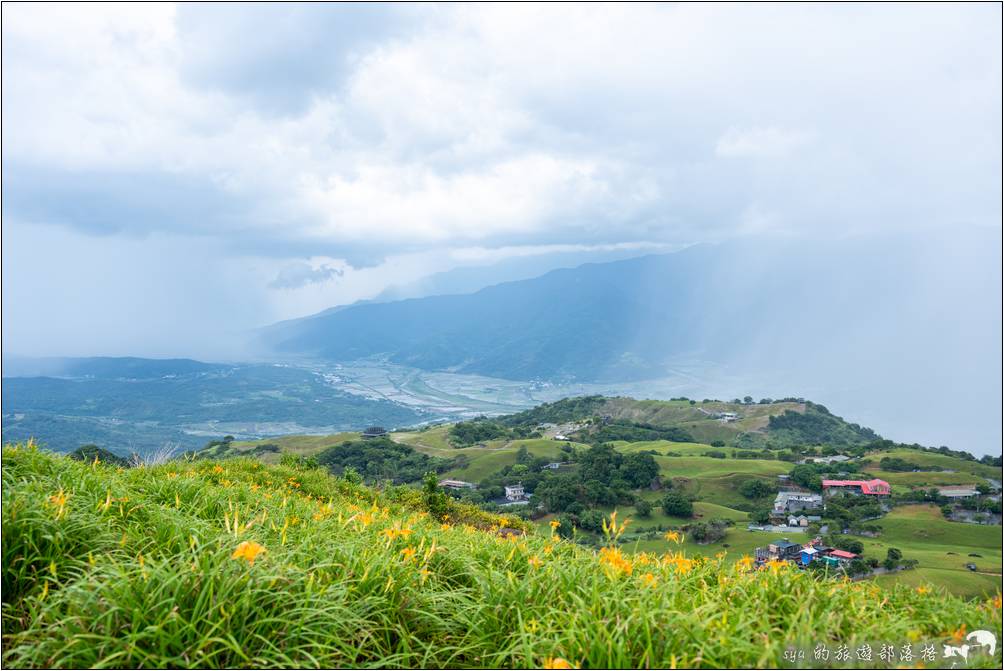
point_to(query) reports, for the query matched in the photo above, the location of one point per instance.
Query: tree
(639, 470)
(566, 527)
(748, 400)
(436, 501)
(894, 554)
(600, 462)
(558, 493)
(849, 545)
(807, 477)
(857, 567)
(592, 520)
(642, 508)
(755, 489)
(675, 504)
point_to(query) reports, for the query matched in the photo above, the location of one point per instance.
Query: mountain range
(878, 326)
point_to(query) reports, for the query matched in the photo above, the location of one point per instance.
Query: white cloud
(760, 142)
(397, 134)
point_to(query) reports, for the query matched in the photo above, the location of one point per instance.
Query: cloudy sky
(171, 172)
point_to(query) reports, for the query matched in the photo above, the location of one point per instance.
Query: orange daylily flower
(248, 551)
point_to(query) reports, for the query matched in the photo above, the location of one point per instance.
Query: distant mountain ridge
(625, 319)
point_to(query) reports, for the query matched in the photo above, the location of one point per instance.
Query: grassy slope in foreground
(135, 568)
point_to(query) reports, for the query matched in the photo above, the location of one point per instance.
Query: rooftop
(875, 486)
(842, 554)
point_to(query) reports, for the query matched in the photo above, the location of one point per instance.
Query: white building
(514, 492)
(835, 459)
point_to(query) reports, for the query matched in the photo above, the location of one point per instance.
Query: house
(835, 459)
(726, 417)
(877, 488)
(959, 492)
(560, 436)
(793, 502)
(839, 557)
(457, 484)
(784, 549)
(800, 521)
(374, 432)
(514, 492)
(808, 555)
(553, 466)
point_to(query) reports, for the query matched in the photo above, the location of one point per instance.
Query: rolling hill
(225, 564)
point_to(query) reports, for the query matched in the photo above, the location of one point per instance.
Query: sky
(176, 175)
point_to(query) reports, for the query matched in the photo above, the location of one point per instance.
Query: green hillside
(239, 564)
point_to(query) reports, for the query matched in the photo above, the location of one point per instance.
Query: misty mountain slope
(750, 304)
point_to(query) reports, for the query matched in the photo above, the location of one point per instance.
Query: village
(790, 508)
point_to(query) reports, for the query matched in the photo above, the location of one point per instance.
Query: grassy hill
(954, 470)
(241, 564)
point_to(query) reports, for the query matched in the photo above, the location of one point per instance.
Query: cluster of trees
(817, 426)
(676, 504)
(850, 512)
(637, 432)
(481, 429)
(379, 459)
(807, 476)
(604, 477)
(89, 453)
(709, 532)
(757, 489)
(902, 465)
(565, 410)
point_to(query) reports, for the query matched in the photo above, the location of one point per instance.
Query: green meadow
(235, 563)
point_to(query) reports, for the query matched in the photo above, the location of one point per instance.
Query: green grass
(968, 585)
(436, 439)
(485, 461)
(664, 446)
(964, 467)
(294, 444)
(923, 479)
(134, 569)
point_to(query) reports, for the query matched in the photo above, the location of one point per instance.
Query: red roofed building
(838, 557)
(842, 554)
(867, 487)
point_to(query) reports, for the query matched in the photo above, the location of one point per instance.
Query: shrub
(675, 504)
